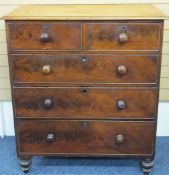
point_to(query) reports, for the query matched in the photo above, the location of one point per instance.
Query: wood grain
(82, 105)
(85, 137)
(104, 36)
(97, 69)
(96, 103)
(5, 94)
(62, 36)
(85, 12)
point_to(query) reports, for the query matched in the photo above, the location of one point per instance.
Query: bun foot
(147, 166)
(25, 164)
(146, 173)
(25, 171)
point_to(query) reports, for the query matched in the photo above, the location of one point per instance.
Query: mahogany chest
(85, 80)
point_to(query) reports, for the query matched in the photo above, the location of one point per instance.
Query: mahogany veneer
(85, 80)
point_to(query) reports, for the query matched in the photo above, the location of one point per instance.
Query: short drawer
(62, 102)
(44, 35)
(85, 137)
(122, 36)
(85, 69)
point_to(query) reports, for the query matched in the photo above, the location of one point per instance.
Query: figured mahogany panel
(44, 35)
(98, 103)
(85, 82)
(85, 137)
(122, 36)
(85, 69)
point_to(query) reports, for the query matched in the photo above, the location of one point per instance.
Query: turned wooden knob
(122, 70)
(46, 69)
(48, 103)
(119, 138)
(50, 137)
(123, 37)
(121, 104)
(44, 37)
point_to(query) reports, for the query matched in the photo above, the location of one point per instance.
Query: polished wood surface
(86, 12)
(59, 36)
(85, 137)
(85, 69)
(97, 36)
(86, 82)
(105, 36)
(85, 103)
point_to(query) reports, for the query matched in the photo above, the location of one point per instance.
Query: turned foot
(25, 164)
(147, 166)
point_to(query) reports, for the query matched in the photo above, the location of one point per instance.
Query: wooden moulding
(85, 12)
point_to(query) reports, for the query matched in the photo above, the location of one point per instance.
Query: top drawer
(97, 36)
(123, 36)
(63, 36)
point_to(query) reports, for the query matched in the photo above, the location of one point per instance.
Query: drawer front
(44, 36)
(85, 137)
(85, 102)
(84, 69)
(122, 36)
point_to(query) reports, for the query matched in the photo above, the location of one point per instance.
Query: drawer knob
(48, 103)
(123, 37)
(121, 104)
(46, 69)
(121, 70)
(119, 138)
(44, 37)
(50, 137)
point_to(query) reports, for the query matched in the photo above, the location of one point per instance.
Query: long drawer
(85, 102)
(85, 69)
(85, 137)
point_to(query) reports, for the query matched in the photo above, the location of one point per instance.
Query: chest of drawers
(85, 80)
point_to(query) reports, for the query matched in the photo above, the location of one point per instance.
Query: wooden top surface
(85, 12)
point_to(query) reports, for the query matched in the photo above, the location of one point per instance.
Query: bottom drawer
(85, 137)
